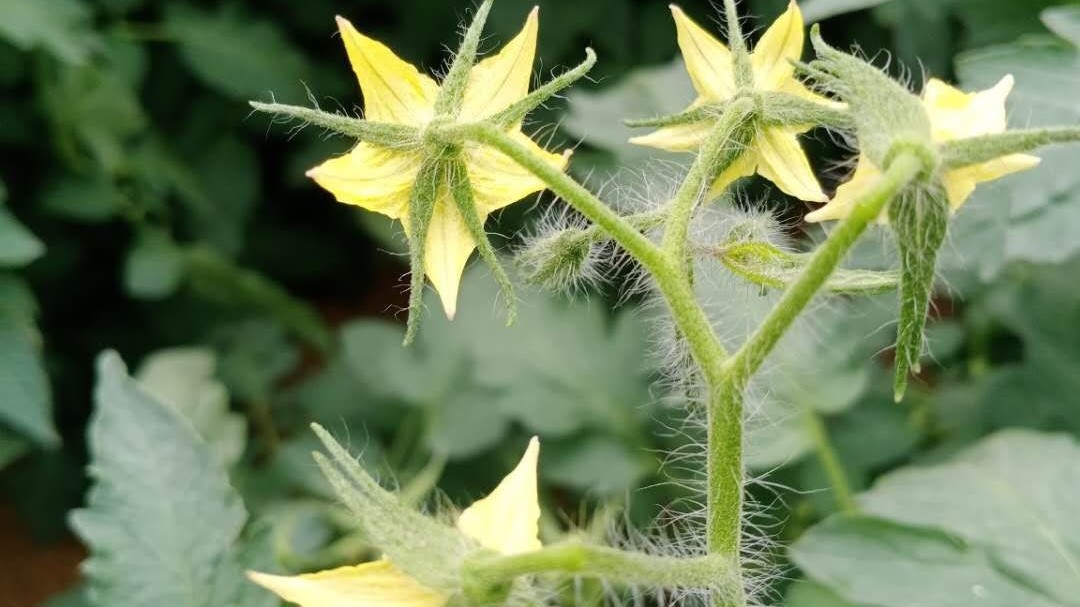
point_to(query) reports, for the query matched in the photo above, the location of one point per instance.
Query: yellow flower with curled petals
(774, 153)
(381, 179)
(506, 521)
(953, 115)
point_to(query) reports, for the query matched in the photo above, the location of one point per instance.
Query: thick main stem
(741, 367)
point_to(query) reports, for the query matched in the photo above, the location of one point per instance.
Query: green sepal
(452, 91)
(765, 265)
(424, 548)
(516, 112)
(710, 111)
(960, 153)
(920, 219)
(461, 190)
(883, 111)
(425, 192)
(396, 136)
(784, 109)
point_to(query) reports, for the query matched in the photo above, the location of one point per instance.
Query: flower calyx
(412, 162)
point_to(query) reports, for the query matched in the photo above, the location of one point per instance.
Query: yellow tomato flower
(774, 153)
(506, 521)
(953, 115)
(381, 179)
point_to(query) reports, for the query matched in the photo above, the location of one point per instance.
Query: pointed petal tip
(535, 12)
(675, 9)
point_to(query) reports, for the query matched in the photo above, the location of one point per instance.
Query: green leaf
(869, 561)
(598, 465)
(235, 53)
(809, 594)
(1012, 496)
(999, 21)
(60, 27)
(91, 199)
(1064, 21)
(183, 378)
(162, 521)
(18, 245)
(12, 447)
(1032, 216)
(25, 395)
(642, 93)
(819, 10)
(154, 266)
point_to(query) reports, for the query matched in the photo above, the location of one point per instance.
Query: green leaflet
(993, 526)
(162, 522)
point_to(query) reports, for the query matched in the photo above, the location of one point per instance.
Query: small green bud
(882, 110)
(559, 261)
(920, 218)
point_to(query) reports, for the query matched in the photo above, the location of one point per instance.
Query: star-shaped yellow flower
(381, 179)
(953, 115)
(775, 153)
(505, 521)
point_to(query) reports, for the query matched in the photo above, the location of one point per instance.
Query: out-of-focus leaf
(1064, 21)
(12, 447)
(999, 21)
(59, 27)
(95, 113)
(1012, 495)
(819, 10)
(596, 117)
(183, 378)
(464, 423)
(598, 465)
(235, 53)
(994, 524)
(162, 521)
(18, 245)
(25, 396)
(1035, 215)
(154, 266)
(219, 280)
(809, 594)
(76, 597)
(255, 354)
(871, 561)
(87, 199)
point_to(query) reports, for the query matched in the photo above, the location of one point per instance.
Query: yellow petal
(448, 247)
(960, 183)
(377, 584)
(792, 86)
(507, 520)
(781, 43)
(864, 177)
(502, 79)
(375, 178)
(708, 61)
(955, 114)
(744, 166)
(498, 181)
(394, 91)
(783, 162)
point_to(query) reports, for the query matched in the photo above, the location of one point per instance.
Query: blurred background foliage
(143, 209)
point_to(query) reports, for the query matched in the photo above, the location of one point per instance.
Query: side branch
(742, 365)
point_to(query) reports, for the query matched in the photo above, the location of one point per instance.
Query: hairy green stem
(725, 405)
(830, 462)
(744, 72)
(903, 169)
(723, 146)
(715, 572)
